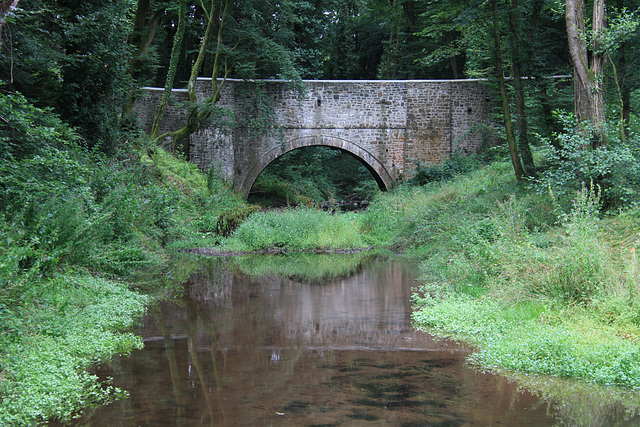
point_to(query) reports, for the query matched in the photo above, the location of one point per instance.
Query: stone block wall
(392, 126)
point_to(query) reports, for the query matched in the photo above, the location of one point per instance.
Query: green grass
(299, 229)
(536, 286)
(48, 344)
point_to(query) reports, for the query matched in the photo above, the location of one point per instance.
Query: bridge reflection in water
(241, 350)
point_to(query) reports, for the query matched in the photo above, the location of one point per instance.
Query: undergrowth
(299, 229)
(50, 341)
(77, 229)
(536, 285)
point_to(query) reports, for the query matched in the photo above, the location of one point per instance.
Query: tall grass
(536, 286)
(300, 229)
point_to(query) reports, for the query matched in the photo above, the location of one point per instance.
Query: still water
(242, 346)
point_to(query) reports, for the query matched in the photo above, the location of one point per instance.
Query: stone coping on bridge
(161, 89)
(351, 81)
(205, 79)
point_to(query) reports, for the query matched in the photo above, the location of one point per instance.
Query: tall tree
(71, 56)
(504, 97)
(620, 39)
(446, 30)
(173, 67)
(588, 64)
(518, 56)
(147, 18)
(216, 16)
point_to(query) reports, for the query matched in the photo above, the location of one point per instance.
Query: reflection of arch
(377, 169)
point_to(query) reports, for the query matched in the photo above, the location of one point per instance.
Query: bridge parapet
(391, 126)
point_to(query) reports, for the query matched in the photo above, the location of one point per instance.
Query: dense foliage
(69, 216)
(87, 199)
(314, 176)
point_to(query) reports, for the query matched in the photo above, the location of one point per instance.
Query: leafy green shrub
(27, 130)
(571, 164)
(35, 179)
(459, 163)
(230, 220)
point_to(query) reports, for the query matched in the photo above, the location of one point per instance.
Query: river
(242, 345)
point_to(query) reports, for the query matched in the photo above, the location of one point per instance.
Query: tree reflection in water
(261, 348)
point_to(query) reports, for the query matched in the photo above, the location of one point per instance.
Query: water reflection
(252, 349)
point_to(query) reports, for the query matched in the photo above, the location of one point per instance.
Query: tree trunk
(216, 15)
(173, 66)
(5, 8)
(144, 31)
(506, 109)
(521, 110)
(588, 78)
(625, 94)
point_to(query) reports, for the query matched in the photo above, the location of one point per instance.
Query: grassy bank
(79, 230)
(78, 253)
(538, 284)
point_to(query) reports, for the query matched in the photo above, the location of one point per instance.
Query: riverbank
(71, 323)
(83, 252)
(538, 283)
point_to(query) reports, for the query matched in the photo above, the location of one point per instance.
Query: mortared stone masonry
(390, 125)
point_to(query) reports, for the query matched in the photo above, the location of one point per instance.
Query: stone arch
(377, 169)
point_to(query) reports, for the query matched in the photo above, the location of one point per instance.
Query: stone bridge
(391, 126)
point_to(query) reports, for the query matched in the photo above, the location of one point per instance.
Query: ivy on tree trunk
(173, 67)
(216, 16)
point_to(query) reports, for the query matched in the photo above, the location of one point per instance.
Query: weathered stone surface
(392, 125)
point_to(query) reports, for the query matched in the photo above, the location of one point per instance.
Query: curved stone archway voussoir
(377, 169)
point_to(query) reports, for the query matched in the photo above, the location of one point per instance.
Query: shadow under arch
(377, 169)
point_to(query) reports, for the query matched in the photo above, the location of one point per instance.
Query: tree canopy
(85, 59)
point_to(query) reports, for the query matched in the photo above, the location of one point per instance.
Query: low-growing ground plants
(541, 278)
(538, 290)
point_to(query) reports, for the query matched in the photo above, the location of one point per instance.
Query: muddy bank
(272, 251)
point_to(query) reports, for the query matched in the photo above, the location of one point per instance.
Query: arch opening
(318, 174)
(377, 169)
